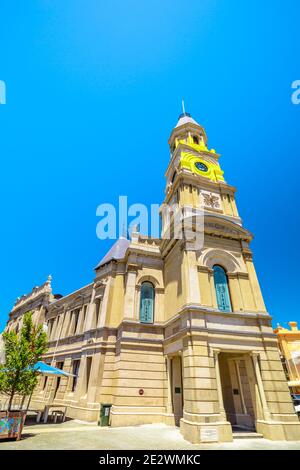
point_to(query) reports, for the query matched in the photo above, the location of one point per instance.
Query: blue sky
(93, 91)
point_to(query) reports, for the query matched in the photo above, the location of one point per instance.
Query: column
(80, 320)
(219, 384)
(94, 381)
(205, 288)
(138, 304)
(66, 324)
(90, 312)
(81, 389)
(233, 205)
(60, 333)
(212, 288)
(169, 407)
(104, 303)
(98, 305)
(266, 411)
(246, 291)
(259, 301)
(55, 332)
(59, 328)
(191, 275)
(159, 306)
(235, 292)
(226, 204)
(129, 300)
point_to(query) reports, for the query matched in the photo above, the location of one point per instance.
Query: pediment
(219, 226)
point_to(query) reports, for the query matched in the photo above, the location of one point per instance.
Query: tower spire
(183, 107)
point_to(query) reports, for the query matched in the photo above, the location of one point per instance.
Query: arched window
(147, 303)
(222, 291)
(195, 139)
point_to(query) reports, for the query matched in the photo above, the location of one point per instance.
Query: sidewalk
(77, 435)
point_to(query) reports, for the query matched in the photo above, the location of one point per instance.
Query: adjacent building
(289, 346)
(167, 331)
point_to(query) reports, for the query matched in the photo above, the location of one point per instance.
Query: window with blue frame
(222, 291)
(147, 303)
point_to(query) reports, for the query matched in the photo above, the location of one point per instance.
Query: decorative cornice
(238, 275)
(225, 228)
(247, 255)
(205, 269)
(68, 299)
(44, 289)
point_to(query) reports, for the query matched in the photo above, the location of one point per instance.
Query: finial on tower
(184, 113)
(183, 107)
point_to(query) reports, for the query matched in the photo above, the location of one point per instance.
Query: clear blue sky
(93, 90)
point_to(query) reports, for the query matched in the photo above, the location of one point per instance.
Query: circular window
(201, 166)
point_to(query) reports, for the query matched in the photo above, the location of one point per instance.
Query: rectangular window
(45, 382)
(97, 312)
(45, 379)
(147, 303)
(75, 371)
(55, 331)
(74, 322)
(76, 318)
(50, 327)
(88, 371)
(84, 316)
(59, 365)
(57, 327)
(57, 386)
(221, 287)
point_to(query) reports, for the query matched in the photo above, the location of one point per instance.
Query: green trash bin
(104, 414)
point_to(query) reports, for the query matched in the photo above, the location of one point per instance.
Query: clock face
(201, 166)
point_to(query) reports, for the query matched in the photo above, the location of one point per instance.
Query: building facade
(172, 331)
(289, 347)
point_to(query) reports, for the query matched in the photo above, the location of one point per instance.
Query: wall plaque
(209, 434)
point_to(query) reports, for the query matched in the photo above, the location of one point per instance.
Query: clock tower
(193, 163)
(230, 367)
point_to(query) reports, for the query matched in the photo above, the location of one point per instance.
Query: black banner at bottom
(132, 459)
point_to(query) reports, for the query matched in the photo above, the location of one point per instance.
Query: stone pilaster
(204, 413)
(130, 291)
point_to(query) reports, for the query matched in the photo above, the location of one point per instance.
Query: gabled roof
(117, 251)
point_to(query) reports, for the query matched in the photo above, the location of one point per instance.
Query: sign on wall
(209, 434)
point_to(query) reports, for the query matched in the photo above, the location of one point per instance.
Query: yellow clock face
(197, 164)
(200, 166)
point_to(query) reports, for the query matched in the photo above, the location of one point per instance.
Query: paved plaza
(78, 435)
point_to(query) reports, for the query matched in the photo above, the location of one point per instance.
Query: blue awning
(45, 369)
